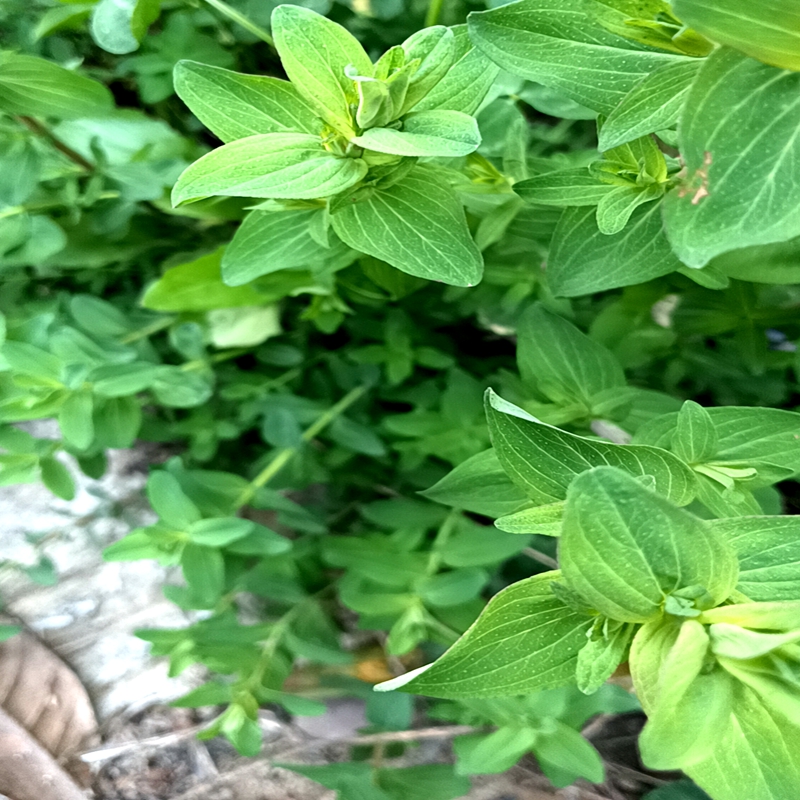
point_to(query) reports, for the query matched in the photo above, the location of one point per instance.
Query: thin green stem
(241, 19)
(215, 359)
(442, 535)
(147, 330)
(434, 9)
(285, 455)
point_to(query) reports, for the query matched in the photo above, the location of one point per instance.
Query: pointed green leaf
(651, 106)
(543, 460)
(479, 484)
(33, 86)
(466, 83)
(314, 52)
(57, 478)
(204, 571)
(435, 47)
(565, 187)
(562, 361)
(740, 190)
(615, 207)
(583, 260)
(563, 45)
(768, 30)
(525, 640)
(564, 751)
(220, 531)
(75, 419)
(268, 241)
(169, 502)
(416, 225)
(425, 133)
(544, 520)
(623, 548)
(600, 656)
(279, 165)
(695, 438)
(233, 105)
(488, 754)
(769, 554)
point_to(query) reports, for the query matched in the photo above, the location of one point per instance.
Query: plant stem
(542, 558)
(442, 535)
(147, 330)
(241, 19)
(286, 454)
(42, 130)
(434, 9)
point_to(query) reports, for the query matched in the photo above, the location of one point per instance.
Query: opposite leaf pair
(345, 134)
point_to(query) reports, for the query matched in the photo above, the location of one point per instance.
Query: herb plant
(475, 340)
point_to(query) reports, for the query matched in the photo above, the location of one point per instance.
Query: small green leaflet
(525, 640)
(768, 30)
(314, 52)
(280, 165)
(545, 520)
(425, 133)
(268, 241)
(562, 361)
(623, 548)
(233, 105)
(769, 554)
(479, 484)
(416, 225)
(566, 187)
(466, 83)
(583, 260)
(615, 208)
(739, 190)
(36, 87)
(744, 434)
(543, 460)
(695, 439)
(197, 286)
(651, 106)
(435, 48)
(561, 44)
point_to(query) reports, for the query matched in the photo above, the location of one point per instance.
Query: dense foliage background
(311, 378)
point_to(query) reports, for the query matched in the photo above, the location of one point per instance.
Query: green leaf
(136, 546)
(695, 438)
(121, 380)
(234, 106)
(524, 641)
(57, 478)
(583, 260)
(466, 83)
(480, 485)
(425, 133)
(488, 754)
(738, 191)
(563, 45)
(321, 80)
(197, 286)
(350, 780)
(745, 434)
(623, 548)
(75, 419)
(755, 755)
(261, 542)
(117, 421)
(7, 631)
(424, 782)
(544, 520)
(169, 502)
(177, 388)
(435, 47)
(565, 752)
(452, 588)
(615, 208)
(268, 241)
(32, 86)
(416, 225)
(279, 165)
(543, 460)
(474, 545)
(204, 571)
(651, 106)
(692, 706)
(562, 361)
(219, 532)
(118, 26)
(564, 187)
(769, 554)
(769, 31)
(600, 656)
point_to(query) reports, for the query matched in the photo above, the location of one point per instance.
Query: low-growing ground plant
(471, 332)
